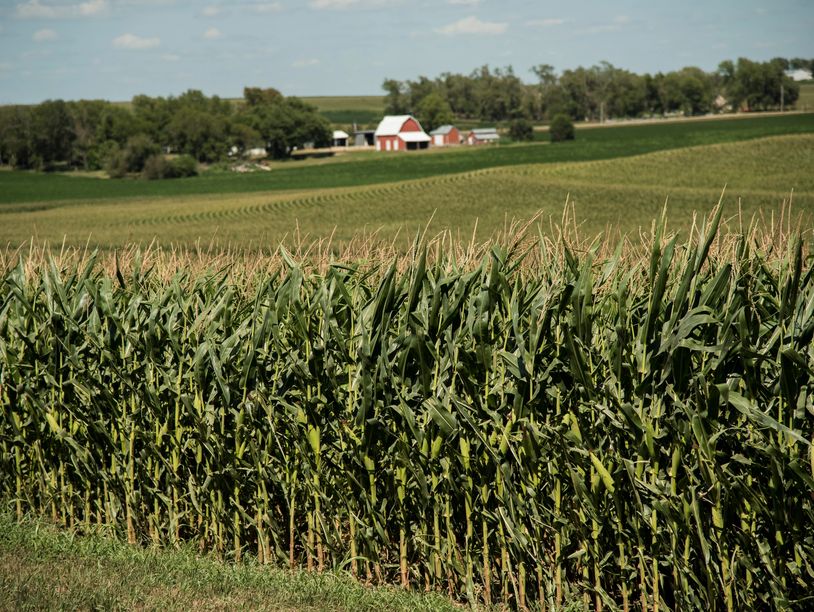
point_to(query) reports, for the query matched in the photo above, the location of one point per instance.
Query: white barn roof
(391, 125)
(443, 130)
(485, 134)
(414, 137)
(339, 134)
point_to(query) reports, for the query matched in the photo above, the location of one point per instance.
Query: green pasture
(624, 193)
(352, 103)
(362, 118)
(593, 144)
(346, 110)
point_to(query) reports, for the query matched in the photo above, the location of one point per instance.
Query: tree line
(594, 93)
(127, 139)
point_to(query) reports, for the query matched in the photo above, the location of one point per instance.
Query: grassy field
(367, 169)
(346, 110)
(42, 568)
(351, 103)
(624, 193)
(806, 99)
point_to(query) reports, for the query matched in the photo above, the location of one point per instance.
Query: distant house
(482, 136)
(801, 74)
(364, 138)
(400, 133)
(445, 136)
(256, 153)
(721, 104)
(340, 138)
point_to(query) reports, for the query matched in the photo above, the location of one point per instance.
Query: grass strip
(45, 568)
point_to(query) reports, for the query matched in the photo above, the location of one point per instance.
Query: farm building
(801, 74)
(400, 133)
(445, 136)
(482, 136)
(720, 103)
(340, 138)
(256, 153)
(364, 138)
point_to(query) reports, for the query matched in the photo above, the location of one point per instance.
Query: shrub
(184, 165)
(137, 151)
(116, 164)
(160, 167)
(156, 167)
(561, 128)
(521, 130)
(100, 155)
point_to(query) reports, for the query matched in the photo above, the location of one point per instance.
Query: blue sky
(114, 49)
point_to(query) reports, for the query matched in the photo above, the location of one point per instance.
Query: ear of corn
(643, 434)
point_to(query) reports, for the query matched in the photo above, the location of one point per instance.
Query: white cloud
(345, 4)
(145, 2)
(131, 41)
(35, 9)
(473, 25)
(464, 2)
(170, 57)
(332, 4)
(545, 23)
(266, 7)
(304, 63)
(92, 7)
(212, 34)
(44, 35)
(211, 11)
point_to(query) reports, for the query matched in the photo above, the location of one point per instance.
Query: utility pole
(782, 92)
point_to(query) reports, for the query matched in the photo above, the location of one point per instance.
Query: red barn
(483, 136)
(400, 133)
(445, 136)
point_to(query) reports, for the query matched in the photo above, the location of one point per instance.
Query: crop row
(639, 431)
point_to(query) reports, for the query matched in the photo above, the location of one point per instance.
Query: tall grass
(500, 422)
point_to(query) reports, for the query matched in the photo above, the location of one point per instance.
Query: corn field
(639, 431)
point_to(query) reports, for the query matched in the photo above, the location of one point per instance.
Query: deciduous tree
(434, 111)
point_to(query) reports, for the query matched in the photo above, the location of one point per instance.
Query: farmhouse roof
(414, 137)
(391, 125)
(484, 131)
(443, 130)
(339, 134)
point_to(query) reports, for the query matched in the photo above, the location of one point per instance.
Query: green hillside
(624, 193)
